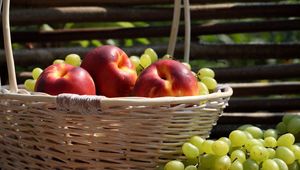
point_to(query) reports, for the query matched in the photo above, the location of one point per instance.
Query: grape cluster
(146, 59)
(72, 59)
(207, 83)
(290, 123)
(246, 148)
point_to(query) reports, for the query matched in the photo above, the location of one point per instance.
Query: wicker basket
(39, 131)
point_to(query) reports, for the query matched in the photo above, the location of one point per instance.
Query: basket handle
(8, 48)
(175, 26)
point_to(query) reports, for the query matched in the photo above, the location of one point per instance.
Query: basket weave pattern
(48, 135)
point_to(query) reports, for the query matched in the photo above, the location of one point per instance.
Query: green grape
(270, 164)
(207, 146)
(191, 167)
(287, 117)
(287, 139)
(205, 72)
(188, 162)
(210, 83)
(271, 152)
(236, 165)
(270, 142)
(226, 140)
(281, 128)
(167, 57)
(237, 138)
(294, 166)
(262, 141)
(285, 154)
(174, 165)
(293, 125)
(203, 90)
(222, 163)
(135, 61)
(145, 60)
(271, 133)
(296, 150)
(250, 164)
(207, 160)
(201, 167)
(152, 54)
(197, 141)
(255, 132)
(243, 127)
(36, 72)
(252, 142)
(73, 59)
(58, 61)
(29, 84)
(187, 65)
(281, 164)
(220, 148)
(238, 155)
(259, 153)
(190, 150)
(249, 136)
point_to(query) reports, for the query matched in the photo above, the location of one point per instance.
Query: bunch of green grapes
(146, 59)
(246, 148)
(72, 59)
(290, 123)
(29, 84)
(207, 83)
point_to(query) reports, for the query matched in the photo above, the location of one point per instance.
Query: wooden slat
(269, 72)
(263, 104)
(263, 89)
(44, 56)
(244, 51)
(97, 14)
(244, 118)
(137, 32)
(47, 3)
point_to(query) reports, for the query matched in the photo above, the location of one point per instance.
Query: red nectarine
(112, 71)
(65, 78)
(166, 78)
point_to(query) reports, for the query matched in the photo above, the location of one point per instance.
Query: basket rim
(223, 91)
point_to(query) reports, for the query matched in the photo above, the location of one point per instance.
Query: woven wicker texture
(41, 135)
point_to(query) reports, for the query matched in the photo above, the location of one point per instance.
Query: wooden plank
(252, 117)
(138, 32)
(281, 104)
(44, 56)
(96, 14)
(263, 89)
(268, 72)
(47, 3)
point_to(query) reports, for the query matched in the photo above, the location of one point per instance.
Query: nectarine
(166, 78)
(65, 78)
(113, 73)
